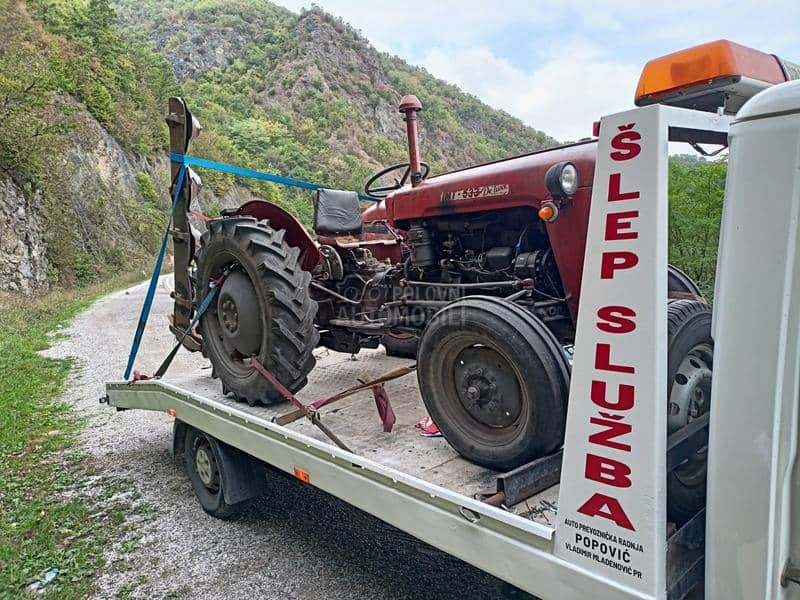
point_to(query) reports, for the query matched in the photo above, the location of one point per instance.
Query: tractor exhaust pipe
(410, 106)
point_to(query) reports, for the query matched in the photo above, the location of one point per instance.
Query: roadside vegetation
(277, 101)
(696, 190)
(62, 64)
(53, 510)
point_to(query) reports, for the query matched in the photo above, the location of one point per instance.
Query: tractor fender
(296, 235)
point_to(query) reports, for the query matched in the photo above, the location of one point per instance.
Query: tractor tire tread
(293, 335)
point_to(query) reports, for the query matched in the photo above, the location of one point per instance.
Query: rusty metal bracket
(175, 119)
(179, 236)
(181, 301)
(364, 385)
(180, 122)
(527, 480)
(193, 342)
(686, 441)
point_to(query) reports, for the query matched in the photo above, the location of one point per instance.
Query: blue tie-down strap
(214, 285)
(186, 161)
(193, 161)
(151, 290)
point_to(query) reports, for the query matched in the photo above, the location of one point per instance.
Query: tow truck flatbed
(355, 421)
(418, 484)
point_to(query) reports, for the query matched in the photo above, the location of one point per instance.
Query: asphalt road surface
(296, 542)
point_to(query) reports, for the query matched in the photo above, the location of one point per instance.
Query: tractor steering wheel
(382, 192)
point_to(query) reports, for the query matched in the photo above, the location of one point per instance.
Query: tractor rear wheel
(495, 381)
(689, 365)
(263, 308)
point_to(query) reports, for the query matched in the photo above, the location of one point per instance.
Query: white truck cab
(753, 503)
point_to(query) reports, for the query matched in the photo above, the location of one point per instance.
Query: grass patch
(49, 517)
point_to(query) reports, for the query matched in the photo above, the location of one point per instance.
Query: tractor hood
(508, 183)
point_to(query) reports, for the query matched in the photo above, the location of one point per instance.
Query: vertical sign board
(612, 507)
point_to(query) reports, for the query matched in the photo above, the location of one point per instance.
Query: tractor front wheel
(262, 310)
(495, 381)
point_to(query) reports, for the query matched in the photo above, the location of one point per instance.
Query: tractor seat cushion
(336, 212)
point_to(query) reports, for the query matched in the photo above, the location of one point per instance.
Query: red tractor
(481, 267)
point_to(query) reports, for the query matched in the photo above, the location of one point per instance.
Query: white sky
(559, 66)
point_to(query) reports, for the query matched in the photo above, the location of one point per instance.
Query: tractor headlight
(562, 179)
(569, 179)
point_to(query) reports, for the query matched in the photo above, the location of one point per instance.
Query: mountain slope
(307, 96)
(79, 112)
(83, 90)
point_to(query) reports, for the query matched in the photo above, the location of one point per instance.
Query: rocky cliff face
(89, 218)
(101, 180)
(303, 95)
(307, 94)
(193, 53)
(77, 202)
(23, 264)
(324, 55)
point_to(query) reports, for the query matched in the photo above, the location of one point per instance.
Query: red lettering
(614, 189)
(612, 430)
(600, 505)
(625, 143)
(607, 470)
(615, 261)
(602, 360)
(615, 225)
(625, 396)
(614, 319)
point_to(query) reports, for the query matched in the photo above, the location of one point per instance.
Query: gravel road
(296, 542)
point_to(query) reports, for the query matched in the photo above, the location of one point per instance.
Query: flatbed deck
(418, 484)
(355, 421)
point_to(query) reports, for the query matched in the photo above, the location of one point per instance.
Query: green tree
(101, 13)
(30, 123)
(696, 191)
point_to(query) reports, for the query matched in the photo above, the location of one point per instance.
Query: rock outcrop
(88, 217)
(23, 264)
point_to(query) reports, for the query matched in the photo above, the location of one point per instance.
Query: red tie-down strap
(139, 376)
(382, 403)
(384, 407)
(200, 216)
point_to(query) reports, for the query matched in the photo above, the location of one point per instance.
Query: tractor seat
(336, 212)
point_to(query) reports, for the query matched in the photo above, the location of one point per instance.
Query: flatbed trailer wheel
(262, 309)
(690, 362)
(495, 381)
(203, 467)
(223, 478)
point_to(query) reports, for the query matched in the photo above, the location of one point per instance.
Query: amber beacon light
(719, 75)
